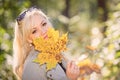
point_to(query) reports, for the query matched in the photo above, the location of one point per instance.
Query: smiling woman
(31, 24)
(39, 26)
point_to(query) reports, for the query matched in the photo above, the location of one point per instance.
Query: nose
(44, 30)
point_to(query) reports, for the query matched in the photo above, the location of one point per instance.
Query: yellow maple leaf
(51, 63)
(50, 48)
(87, 67)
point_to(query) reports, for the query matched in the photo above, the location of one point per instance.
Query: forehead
(36, 19)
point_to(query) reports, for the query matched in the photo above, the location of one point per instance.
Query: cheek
(36, 35)
(33, 36)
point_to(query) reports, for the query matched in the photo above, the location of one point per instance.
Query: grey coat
(33, 71)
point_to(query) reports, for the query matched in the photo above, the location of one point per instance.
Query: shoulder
(33, 70)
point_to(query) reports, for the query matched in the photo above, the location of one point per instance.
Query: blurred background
(93, 27)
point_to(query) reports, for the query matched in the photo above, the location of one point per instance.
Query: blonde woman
(31, 24)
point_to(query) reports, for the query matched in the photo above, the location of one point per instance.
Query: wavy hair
(21, 47)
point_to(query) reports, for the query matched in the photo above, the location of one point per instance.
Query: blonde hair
(21, 47)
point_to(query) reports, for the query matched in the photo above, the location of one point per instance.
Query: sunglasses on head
(22, 15)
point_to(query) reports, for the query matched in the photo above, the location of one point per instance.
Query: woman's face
(39, 28)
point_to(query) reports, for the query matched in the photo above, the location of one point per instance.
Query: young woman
(31, 24)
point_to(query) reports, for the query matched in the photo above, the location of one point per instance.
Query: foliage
(87, 67)
(50, 48)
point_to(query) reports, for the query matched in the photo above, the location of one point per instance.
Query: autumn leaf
(50, 48)
(87, 67)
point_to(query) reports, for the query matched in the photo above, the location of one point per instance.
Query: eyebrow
(44, 18)
(42, 21)
(34, 27)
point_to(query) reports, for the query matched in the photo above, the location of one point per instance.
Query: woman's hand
(72, 70)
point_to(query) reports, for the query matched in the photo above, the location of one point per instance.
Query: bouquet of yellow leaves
(50, 48)
(87, 67)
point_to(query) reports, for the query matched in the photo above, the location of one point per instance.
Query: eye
(34, 31)
(44, 24)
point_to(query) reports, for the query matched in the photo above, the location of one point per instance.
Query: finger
(69, 65)
(70, 68)
(75, 68)
(73, 65)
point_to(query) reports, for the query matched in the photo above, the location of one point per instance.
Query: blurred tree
(102, 6)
